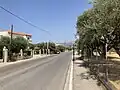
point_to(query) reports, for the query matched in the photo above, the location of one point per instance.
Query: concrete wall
(4, 33)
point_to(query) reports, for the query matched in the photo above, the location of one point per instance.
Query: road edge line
(71, 77)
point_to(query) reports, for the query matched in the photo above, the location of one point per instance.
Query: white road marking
(71, 77)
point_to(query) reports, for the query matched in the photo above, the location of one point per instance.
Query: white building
(16, 34)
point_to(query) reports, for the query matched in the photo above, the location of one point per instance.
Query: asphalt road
(41, 74)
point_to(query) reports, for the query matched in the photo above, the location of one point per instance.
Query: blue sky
(56, 16)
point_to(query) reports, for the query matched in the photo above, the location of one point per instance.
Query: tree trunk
(103, 52)
(82, 53)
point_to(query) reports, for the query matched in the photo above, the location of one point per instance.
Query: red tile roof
(19, 33)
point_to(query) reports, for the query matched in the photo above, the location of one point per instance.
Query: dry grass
(116, 84)
(115, 57)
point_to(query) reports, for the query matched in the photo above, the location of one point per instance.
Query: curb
(69, 77)
(22, 61)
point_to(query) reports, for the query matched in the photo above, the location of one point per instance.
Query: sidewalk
(82, 80)
(25, 60)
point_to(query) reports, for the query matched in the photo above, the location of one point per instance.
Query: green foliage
(103, 20)
(4, 41)
(51, 46)
(19, 43)
(31, 46)
(69, 48)
(41, 45)
(61, 48)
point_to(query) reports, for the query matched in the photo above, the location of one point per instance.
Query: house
(7, 33)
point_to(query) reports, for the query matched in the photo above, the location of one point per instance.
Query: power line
(25, 21)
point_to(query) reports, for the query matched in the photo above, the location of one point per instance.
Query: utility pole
(47, 47)
(11, 36)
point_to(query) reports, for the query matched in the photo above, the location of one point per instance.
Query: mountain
(69, 43)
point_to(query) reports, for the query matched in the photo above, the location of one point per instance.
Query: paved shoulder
(82, 80)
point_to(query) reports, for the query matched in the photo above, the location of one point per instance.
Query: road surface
(41, 74)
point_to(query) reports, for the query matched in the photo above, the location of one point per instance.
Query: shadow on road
(87, 76)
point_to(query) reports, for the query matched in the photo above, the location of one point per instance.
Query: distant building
(57, 44)
(67, 44)
(16, 34)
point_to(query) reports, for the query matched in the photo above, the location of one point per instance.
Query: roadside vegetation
(98, 26)
(98, 29)
(19, 43)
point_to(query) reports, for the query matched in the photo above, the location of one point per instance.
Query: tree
(31, 46)
(4, 41)
(103, 20)
(43, 45)
(89, 35)
(52, 46)
(61, 48)
(19, 43)
(112, 18)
